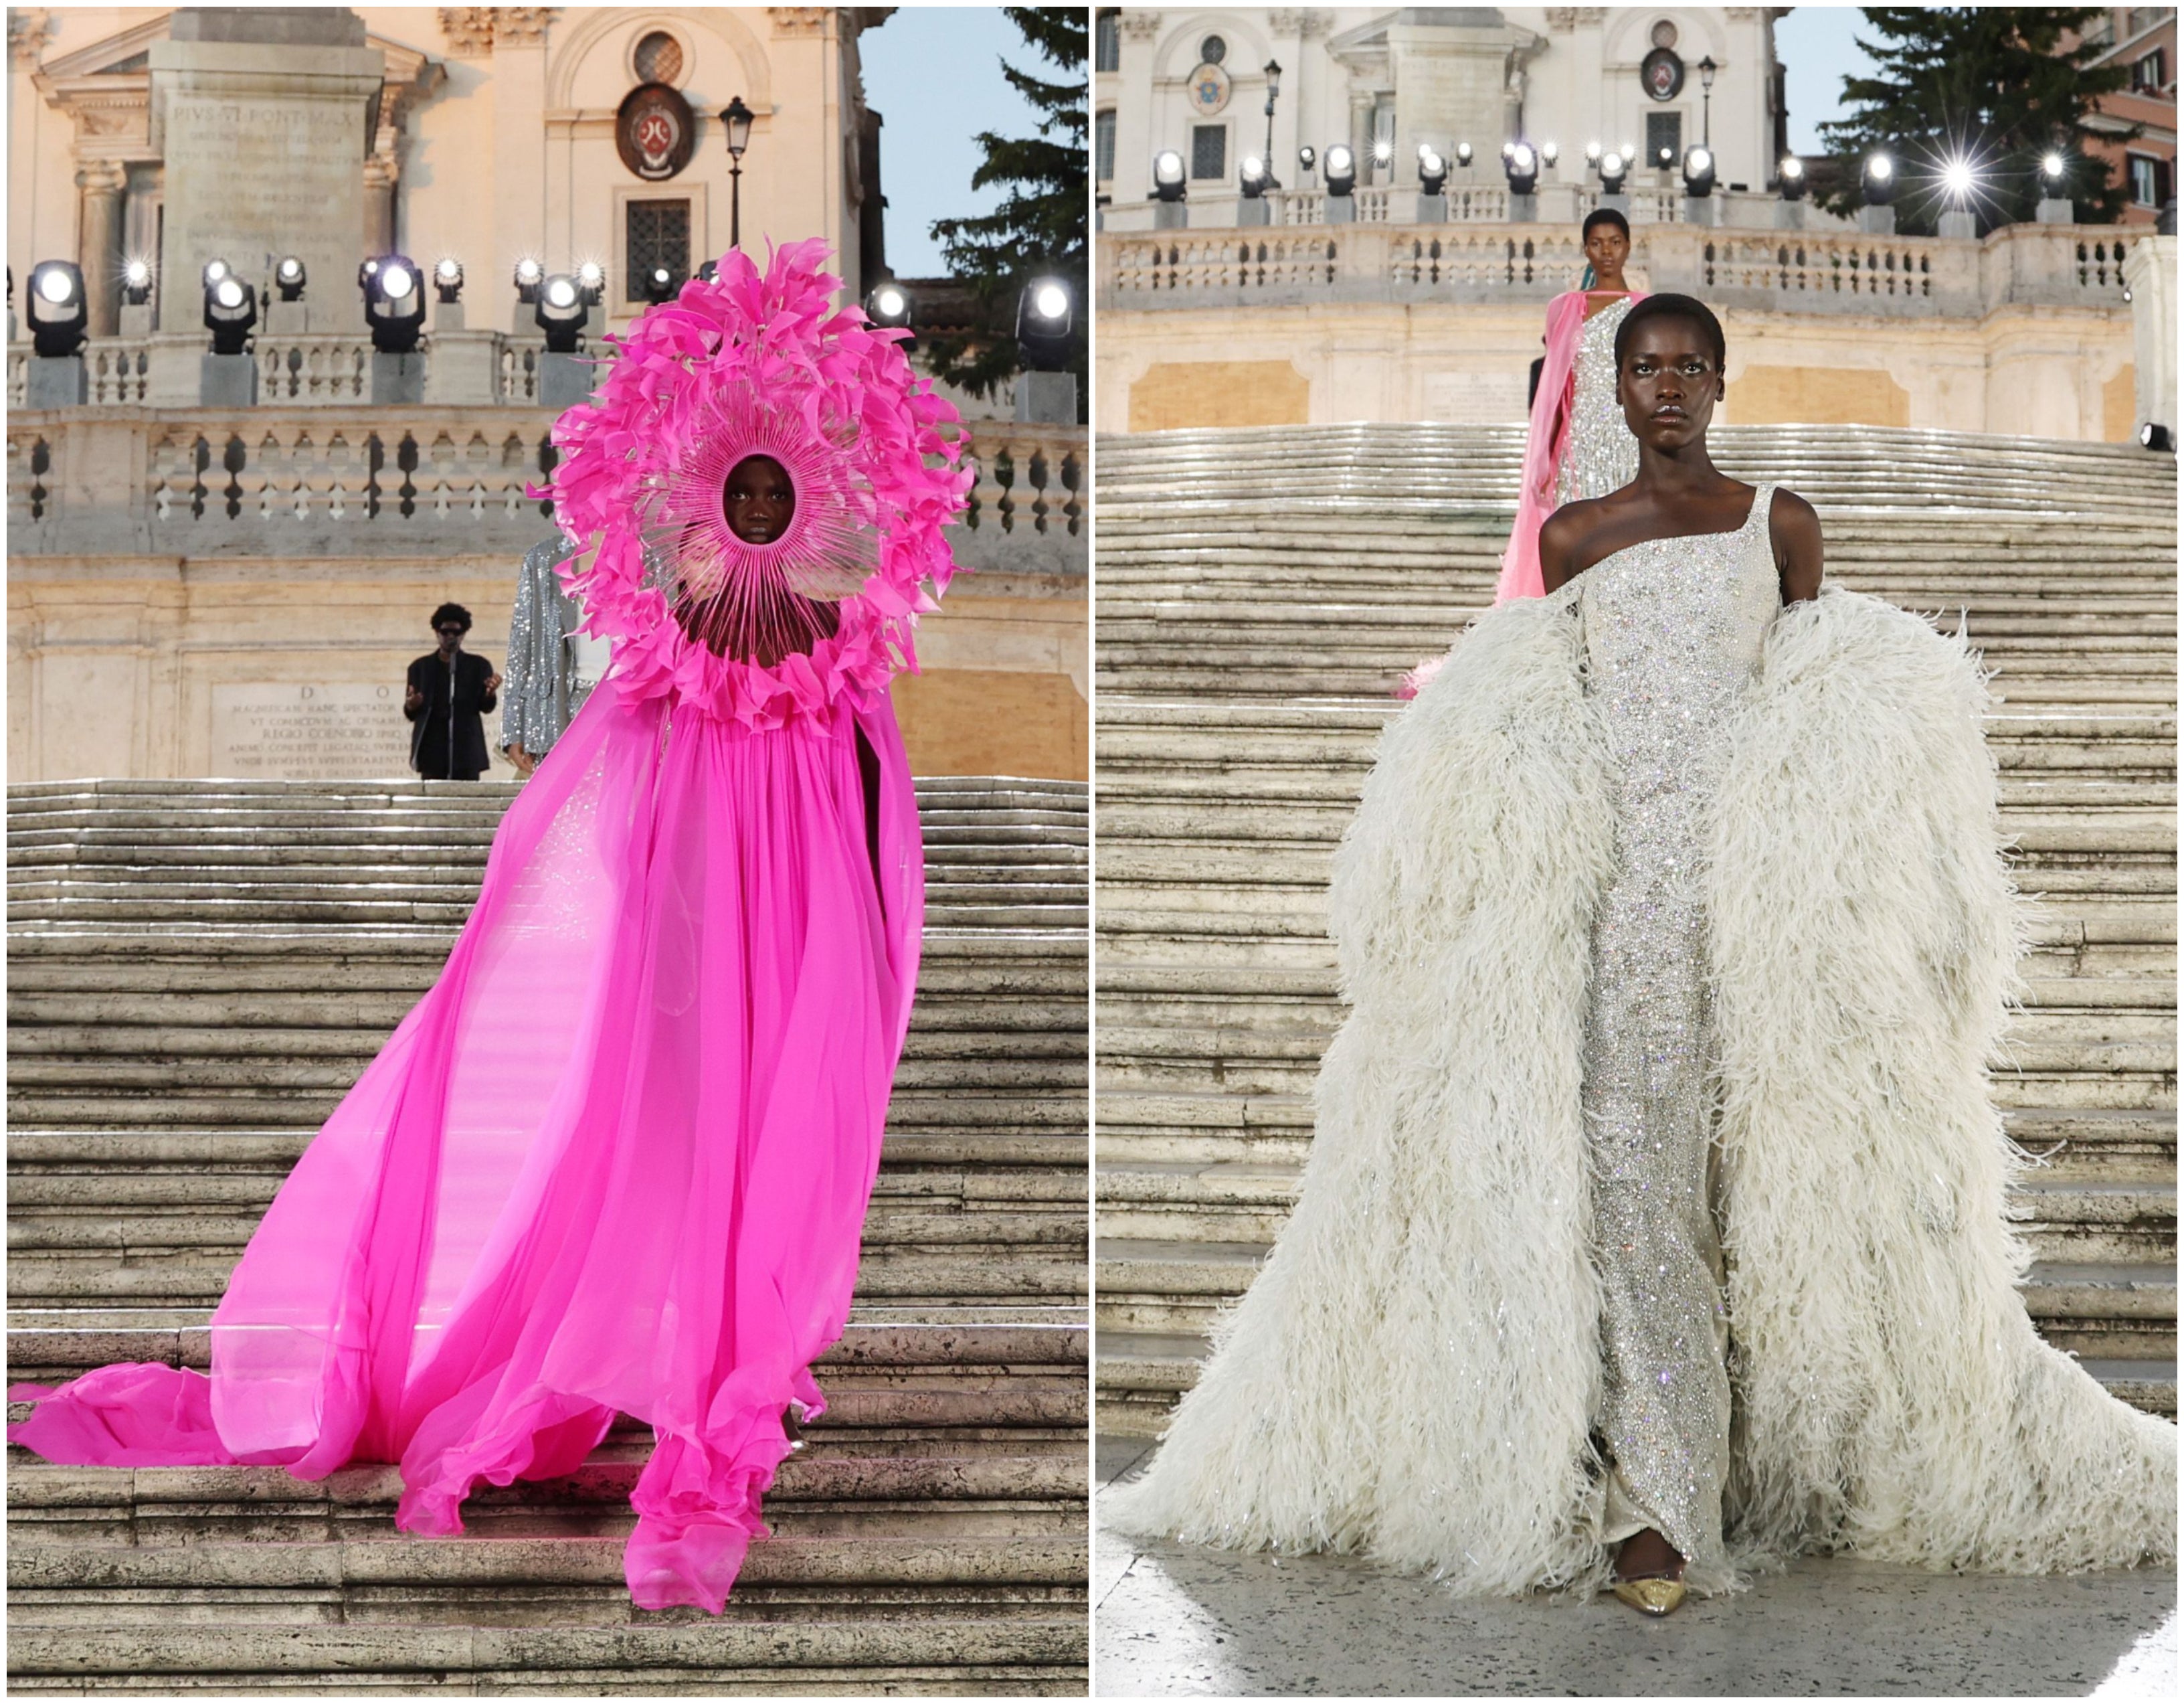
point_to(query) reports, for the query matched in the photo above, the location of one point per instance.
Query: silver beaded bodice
(538, 695)
(1600, 455)
(1673, 630)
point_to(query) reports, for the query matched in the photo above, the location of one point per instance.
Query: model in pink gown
(617, 1159)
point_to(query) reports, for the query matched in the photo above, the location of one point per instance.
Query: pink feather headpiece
(758, 364)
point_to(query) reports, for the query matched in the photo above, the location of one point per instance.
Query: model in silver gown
(1602, 455)
(551, 667)
(1672, 629)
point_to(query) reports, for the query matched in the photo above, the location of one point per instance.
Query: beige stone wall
(2058, 372)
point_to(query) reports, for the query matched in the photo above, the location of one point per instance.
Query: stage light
(1433, 169)
(1251, 177)
(2153, 435)
(561, 312)
(1522, 166)
(1878, 180)
(1383, 152)
(1046, 313)
(1463, 155)
(657, 286)
(1549, 152)
(709, 270)
(1664, 157)
(448, 280)
(529, 275)
(1629, 152)
(1592, 153)
(1342, 169)
(2051, 172)
(231, 311)
(1791, 173)
(394, 303)
(1958, 178)
(1612, 166)
(289, 278)
(137, 282)
(888, 306)
(1698, 171)
(1168, 184)
(215, 271)
(57, 308)
(591, 280)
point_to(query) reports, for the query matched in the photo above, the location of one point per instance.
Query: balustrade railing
(1030, 479)
(306, 370)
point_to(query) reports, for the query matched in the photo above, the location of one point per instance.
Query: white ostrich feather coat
(1413, 1372)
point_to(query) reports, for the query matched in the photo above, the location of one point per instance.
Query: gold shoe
(1651, 1596)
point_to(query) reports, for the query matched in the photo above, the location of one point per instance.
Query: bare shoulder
(1560, 536)
(1791, 517)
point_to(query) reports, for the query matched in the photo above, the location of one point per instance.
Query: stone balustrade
(299, 370)
(285, 479)
(1828, 272)
(1474, 202)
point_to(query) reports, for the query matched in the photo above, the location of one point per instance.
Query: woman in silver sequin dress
(1683, 571)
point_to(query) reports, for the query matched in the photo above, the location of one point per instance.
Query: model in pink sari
(617, 1159)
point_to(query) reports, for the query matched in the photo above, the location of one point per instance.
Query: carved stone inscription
(309, 733)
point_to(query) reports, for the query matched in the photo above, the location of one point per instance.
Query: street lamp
(736, 119)
(1273, 88)
(1707, 68)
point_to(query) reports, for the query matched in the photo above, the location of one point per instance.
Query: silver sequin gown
(551, 668)
(1673, 628)
(1600, 455)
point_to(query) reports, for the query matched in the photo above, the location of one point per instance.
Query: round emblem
(653, 132)
(1663, 74)
(1209, 90)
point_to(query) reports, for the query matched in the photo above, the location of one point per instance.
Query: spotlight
(1508, 149)
(289, 278)
(448, 280)
(1047, 314)
(709, 270)
(1463, 155)
(1592, 153)
(1341, 172)
(2051, 172)
(1167, 175)
(394, 302)
(1878, 180)
(1307, 158)
(1383, 152)
(1549, 152)
(57, 308)
(1612, 167)
(1698, 171)
(231, 311)
(529, 275)
(1957, 178)
(561, 312)
(658, 286)
(1629, 152)
(1523, 167)
(2153, 435)
(137, 283)
(1433, 169)
(591, 280)
(887, 306)
(1664, 157)
(215, 271)
(1251, 177)
(1792, 172)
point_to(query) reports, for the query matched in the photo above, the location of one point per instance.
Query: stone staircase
(198, 969)
(1260, 591)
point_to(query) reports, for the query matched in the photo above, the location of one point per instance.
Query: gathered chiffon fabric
(618, 1158)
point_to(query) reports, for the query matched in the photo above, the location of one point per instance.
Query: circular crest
(766, 364)
(653, 131)
(1209, 89)
(1662, 73)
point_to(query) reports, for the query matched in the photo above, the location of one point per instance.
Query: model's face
(758, 500)
(1607, 248)
(1668, 383)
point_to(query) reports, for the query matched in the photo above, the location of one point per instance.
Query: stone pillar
(259, 113)
(379, 177)
(519, 166)
(98, 242)
(2149, 271)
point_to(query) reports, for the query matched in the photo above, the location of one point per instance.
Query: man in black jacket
(450, 690)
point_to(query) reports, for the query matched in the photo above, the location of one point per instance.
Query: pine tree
(1039, 227)
(1989, 85)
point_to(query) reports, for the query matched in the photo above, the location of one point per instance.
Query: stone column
(519, 164)
(379, 180)
(2150, 271)
(98, 242)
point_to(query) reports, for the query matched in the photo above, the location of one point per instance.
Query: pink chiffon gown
(616, 1160)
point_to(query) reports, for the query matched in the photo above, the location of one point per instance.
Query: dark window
(1103, 145)
(2149, 74)
(1107, 44)
(1212, 51)
(1664, 130)
(659, 236)
(1209, 150)
(2149, 180)
(659, 57)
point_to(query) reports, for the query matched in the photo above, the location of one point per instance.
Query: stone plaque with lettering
(337, 732)
(1473, 399)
